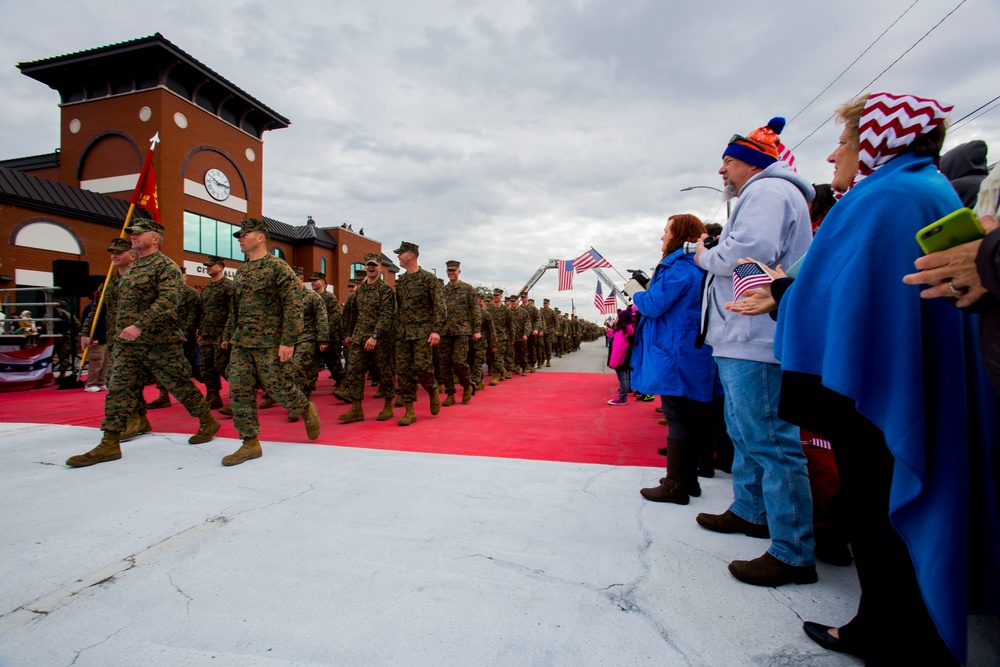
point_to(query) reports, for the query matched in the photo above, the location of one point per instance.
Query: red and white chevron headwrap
(890, 123)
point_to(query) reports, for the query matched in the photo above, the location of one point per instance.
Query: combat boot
(208, 426)
(435, 400)
(398, 403)
(137, 425)
(450, 400)
(250, 449)
(268, 403)
(381, 393)
(494, 381)
(386, 413)
(311, 419)
(481, 385)
(226, 410)
(467, 393)
(108, 450)
(214, 400)
(548, 363)
(409, 417)
(355, 414)
(161, 401)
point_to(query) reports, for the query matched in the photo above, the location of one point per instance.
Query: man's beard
(729, 192)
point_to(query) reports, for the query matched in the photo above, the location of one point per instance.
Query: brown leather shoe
(208, 426)
(109, 449)
(467, 394)
(667, 492)
(727, 522)
(449, 400)
(435, 400)
(311, 419)
(268, 403)
(226, 410)
(767, 570)
(355, 414)
(161, 401)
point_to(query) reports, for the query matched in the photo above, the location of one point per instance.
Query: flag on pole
(611, 302)
(785, 155)
(590, 260)
(746, 277)
(607, 305)
(599, 298)
(144, 194)
(565, 274)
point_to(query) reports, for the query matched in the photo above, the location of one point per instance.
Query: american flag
(747, 276)
(565, 274)
(785, 155)
(590, 260)
(607, 306)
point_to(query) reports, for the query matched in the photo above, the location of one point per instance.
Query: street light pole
(729, 208)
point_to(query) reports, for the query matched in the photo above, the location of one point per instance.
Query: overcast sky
(504, 134)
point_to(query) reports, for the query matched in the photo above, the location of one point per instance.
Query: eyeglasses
(739, 137)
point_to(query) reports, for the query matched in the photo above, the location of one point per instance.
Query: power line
(961, 121)
(855, 61)
(866, 86)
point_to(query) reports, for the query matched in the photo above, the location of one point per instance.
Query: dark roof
(146, 63)
(298, 234)
(43, 195)
(32, 162)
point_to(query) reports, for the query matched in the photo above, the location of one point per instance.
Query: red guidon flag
(144, 194)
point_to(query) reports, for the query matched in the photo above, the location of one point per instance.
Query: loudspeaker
(72, 277)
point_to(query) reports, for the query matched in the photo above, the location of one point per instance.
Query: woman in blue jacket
(667, 363)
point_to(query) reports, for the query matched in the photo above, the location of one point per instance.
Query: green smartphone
(954, 229)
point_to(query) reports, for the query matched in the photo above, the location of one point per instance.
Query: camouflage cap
(373, 258)
(557, 310)
(352, 282)
(118, 244)
(143, 225)
(406, 246)
(360, 274)
(546, 301)
(251, 225)
(453, 264)
(299, 271)
(212, 260)
(511, 298)
(497, 291)
(318, 275)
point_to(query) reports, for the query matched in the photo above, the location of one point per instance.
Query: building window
(211, 237)
(48, 236)
(322, 265)
(355, 267)
(277, 252)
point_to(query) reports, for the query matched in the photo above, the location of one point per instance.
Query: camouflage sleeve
(193, 311)
(440, 308)
(322, 322)
(477, 313)
(350, 317)
(168, 297)
(491, 331)
(290, 294)
(386, 312)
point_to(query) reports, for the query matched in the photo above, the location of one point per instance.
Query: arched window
(276, 251)
(48, 236)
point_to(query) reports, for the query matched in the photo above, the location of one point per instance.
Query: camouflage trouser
(305, 364)
(414, 364)
(247, 368)
(497, 360)
(478, 354)
(454, 351)
(213, 364)
(331, 357)
(530, 349)
(546, 346)
(131, 366)
(64, 353)
(521, 353)
(357, 360)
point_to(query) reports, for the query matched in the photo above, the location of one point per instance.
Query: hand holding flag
(752, 281)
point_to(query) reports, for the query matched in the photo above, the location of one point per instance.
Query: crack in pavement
(181, 591)
(87, 648)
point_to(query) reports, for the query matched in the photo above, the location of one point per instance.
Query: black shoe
(706, 472)
(820, 634)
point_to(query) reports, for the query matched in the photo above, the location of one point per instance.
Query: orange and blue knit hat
(760, 147)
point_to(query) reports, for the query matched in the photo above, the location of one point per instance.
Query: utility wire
(962, 121)
(866, 86)
(898, 18)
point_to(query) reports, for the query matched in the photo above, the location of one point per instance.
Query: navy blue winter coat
(665, 361)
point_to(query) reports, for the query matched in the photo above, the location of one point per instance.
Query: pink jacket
(619, 346)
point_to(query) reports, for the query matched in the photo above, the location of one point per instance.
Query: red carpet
(544, 416)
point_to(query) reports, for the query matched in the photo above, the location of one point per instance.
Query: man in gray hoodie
(769, 223)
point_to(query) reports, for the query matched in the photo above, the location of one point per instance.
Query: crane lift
(554, 264)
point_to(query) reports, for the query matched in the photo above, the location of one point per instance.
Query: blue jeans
(770, 479)
(624, 378)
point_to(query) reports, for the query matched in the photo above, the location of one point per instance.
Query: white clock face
(217, 184)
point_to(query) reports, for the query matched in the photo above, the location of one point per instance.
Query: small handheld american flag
(746, 277)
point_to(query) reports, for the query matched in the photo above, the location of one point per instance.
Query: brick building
(209, 167)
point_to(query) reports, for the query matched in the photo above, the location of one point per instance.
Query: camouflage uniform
(481, 348)
(315, 332)
(266, 312)
(534, 324)
(68, 327)
(501, 325)
(522, 334)
(188, 316)
(149, 294)
(332, 355)
(464, 320)
(420, 311)
(370, 310)
(550, 327)
(215, 301)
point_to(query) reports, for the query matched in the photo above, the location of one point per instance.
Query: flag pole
(624, 279)
(146, 165)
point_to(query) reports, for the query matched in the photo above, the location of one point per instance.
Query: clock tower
(209, 162)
